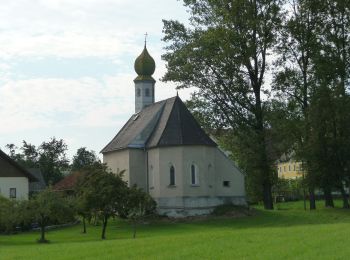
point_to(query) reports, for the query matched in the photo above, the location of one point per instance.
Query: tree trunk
(304, 198)
(345, 198)
(134, 227)
(328, 199)
(104, 225)
(312, 199)
(267, 196)
(42, 238)
(84, 225)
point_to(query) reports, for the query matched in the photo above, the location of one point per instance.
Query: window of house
(289, 167)
(294, 167)
(147, 92)
(12, 193)
(172, 176)
(284, 168)
(138, 92)
(194, 175)
(226, 183)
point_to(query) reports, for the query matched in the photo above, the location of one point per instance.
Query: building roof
(165, 123)
(68, 183)
(12, 164)
(37, 185)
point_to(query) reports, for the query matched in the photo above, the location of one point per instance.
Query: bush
(14, 215)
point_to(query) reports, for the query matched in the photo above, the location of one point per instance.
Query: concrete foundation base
(180, 207)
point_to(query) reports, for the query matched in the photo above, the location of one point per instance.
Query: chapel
(164, 151)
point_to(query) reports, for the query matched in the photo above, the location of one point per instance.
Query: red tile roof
(68, 182)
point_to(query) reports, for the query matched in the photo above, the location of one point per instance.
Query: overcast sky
(66, 67)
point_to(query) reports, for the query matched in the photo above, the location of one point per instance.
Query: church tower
(144, 82)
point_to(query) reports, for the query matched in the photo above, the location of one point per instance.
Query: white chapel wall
(227, 171)
(118, 161)
(137, 164)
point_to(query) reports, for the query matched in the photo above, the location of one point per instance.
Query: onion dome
(144, 66)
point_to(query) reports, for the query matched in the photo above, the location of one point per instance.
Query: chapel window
(147, 92)
(138, 92)
(172, 176)
(194, 175)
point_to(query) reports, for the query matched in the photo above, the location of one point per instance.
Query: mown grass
(287, 233)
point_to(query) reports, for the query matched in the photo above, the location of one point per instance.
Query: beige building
(164, 151)
(14, 180)
(290, 170)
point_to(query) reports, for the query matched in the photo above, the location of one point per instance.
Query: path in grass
(287, 233)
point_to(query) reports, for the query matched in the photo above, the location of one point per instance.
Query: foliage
(311, 78)
(50, 157)
(291, 189)
(13, 215)
(49, 207)
(103, 192)
(139, 205)
(84, 158)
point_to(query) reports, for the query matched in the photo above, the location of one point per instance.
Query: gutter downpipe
(147, 172)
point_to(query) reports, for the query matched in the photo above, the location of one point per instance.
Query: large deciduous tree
(50, 157)
(295, 79)
(224, 54)
(84, 158)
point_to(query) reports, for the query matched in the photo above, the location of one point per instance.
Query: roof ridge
(156, 124)
(167, 121)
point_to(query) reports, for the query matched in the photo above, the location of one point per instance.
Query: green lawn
(287, 233)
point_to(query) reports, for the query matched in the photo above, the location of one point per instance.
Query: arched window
(147, 92)
(172, 176)
(138, 92)
(194, 175)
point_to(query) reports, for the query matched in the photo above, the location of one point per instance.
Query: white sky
(66, 67)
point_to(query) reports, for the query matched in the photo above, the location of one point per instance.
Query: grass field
(287, 233)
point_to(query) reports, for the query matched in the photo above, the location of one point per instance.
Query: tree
(295, 79)
(81, 202)
(48, 207)
(333, 71)
(50, 157)
(53, 160)
(84, 158)
(224, 55)
(104, 192)
(139, 205)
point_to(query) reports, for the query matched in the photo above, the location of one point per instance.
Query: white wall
(20, 183)
(213, 169)
(118, 161)
(130, 160)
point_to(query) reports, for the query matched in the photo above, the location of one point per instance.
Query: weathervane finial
(146, 34)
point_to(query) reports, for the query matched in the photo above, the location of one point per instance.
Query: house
(14, 179)
(67, 184)
(290, 170)
(164, 151)
(36, 186)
